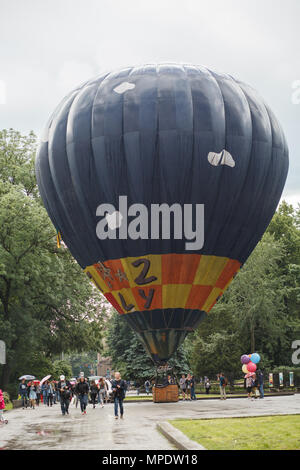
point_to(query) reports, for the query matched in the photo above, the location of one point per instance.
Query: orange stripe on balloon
(198, 296)
(114, 303)
(232, 266)
(179, 269)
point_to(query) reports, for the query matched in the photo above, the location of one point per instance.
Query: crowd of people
(82, 391)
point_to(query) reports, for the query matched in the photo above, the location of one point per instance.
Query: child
(2, 407)
(32, 396)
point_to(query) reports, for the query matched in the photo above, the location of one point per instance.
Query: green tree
(249, 317)
(62, 367)
(46, 301)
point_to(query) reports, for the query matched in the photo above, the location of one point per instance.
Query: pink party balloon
(251, 367)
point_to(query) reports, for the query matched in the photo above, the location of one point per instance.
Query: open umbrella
(249, 375)
(27, 377)
(108, 385)
(44, 379)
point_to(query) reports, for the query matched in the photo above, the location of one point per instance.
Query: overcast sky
(47, 47)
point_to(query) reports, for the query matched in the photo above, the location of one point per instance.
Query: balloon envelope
(255, 358)
(244, 369)
(251, 367)
(245, 359)
(161, 180)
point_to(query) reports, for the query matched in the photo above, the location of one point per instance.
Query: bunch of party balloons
(249, 362)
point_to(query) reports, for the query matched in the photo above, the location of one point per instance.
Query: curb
(214, 398)
(176, 437)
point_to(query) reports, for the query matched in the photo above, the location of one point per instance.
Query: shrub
(8, 403)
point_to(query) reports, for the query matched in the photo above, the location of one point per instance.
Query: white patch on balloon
(125, 86)
(222, 158)
(114, 220)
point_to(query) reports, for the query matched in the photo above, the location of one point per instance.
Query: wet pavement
(46, 428)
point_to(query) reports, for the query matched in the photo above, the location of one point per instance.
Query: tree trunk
(252, 339)
(4, 380)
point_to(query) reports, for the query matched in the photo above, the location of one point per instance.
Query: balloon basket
(166, 392)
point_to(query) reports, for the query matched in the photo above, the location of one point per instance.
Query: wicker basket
(165, 393)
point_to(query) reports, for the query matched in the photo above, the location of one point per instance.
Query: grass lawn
(198, 395)
(259, 433)
(138, 397)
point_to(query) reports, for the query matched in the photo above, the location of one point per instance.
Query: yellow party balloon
(244, 369)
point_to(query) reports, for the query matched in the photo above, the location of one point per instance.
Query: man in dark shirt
(118, 388)
(65, 398)
(82, 390)
(260, 378)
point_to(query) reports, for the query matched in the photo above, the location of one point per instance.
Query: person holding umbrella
(23, 393)
(44, 389)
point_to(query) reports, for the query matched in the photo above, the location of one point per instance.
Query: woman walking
(94, 392)
(32, 395)
(49, 394)
(118, 387)
(102, 392)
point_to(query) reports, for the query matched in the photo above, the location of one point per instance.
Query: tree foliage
(260, 311)
(46, 301)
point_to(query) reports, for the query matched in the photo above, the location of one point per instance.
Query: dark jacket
(22, 389)
(59, 386)
(119, 392)
(82, 388)
(260, 376)
(94, 389)
(65, 395)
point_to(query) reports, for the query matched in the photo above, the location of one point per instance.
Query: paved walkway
(46, 428)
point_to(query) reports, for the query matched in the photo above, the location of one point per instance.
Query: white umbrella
(27, 377)
(108, 385)
(44, 379)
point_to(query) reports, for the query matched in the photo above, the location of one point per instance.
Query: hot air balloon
(161, 180)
